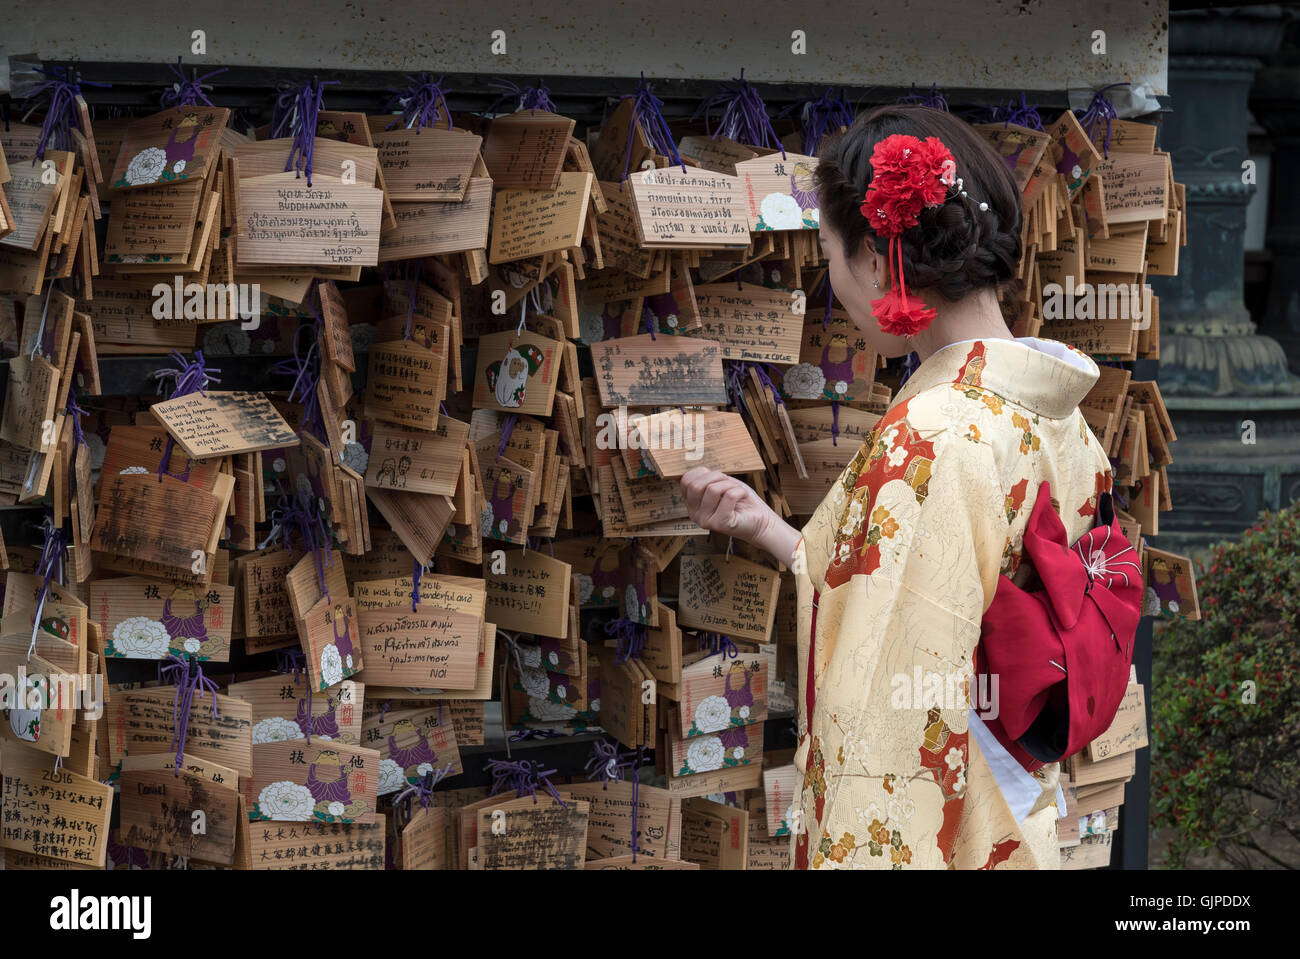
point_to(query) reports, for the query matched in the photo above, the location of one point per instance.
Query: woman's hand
(724, 504)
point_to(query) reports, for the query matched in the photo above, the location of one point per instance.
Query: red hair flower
(908, 175)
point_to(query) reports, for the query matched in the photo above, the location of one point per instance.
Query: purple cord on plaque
(818, 116)
(415, 588)
(631, 638)
(1099, 109)
(529, 98)
(189, 678)
(295, 661)
(188, 92)
(934, 99)
(61, 117)
(646, 114)
(421, 789)
(1022, 114)
(423, 104)
(522, 778)
(744, 116)
(718, 645)
(48, 568)
(190, 377)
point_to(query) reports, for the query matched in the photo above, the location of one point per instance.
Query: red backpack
(1061, 652)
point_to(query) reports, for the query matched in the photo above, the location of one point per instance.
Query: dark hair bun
(955, 248)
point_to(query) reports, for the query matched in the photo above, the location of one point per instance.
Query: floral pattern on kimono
(894, 572)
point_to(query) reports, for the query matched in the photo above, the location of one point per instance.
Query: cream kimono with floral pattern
(894, 573)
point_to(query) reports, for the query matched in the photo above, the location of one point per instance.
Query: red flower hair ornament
(908, 175)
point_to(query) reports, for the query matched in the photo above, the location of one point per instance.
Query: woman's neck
(976, 317)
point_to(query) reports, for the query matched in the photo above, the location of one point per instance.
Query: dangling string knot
(188, 678)
(188, 92)
(423, 104)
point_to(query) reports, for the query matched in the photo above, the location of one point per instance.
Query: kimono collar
(1045, 376)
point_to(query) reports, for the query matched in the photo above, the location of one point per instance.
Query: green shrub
(1225, 770)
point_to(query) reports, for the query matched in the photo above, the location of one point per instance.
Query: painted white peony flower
(553, 658)
(286, 801)
(804, 381)
(391, 778)
(585, 588)
(146, 166)
(139, 637)
(841, 387)
(744, 712)
(191, 645)
(275, 729)
(178, 166)
(530, 655)
(780, 212)
(632, 606)
(536, 682)
(336, 808)
(562, 692)
(424, 769)
(278, 464)
(705, 754)
(486, 520)
(712, 713)
(331, 666)
(349, 663)
(738, 752)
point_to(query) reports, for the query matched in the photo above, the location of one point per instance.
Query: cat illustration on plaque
(507, 378)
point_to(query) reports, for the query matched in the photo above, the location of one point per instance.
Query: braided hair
(955, 248)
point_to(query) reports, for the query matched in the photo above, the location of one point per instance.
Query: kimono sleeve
(916, 552)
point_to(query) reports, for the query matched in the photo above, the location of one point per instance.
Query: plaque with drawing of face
(516, 373)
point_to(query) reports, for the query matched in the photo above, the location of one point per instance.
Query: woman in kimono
(920, 223)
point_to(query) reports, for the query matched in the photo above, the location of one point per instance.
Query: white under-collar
(1053, 348)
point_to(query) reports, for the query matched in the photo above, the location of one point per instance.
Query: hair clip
(983, 205)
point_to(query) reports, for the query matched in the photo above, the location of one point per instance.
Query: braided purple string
(820, 115)
(835, 422)
(523, 735)
(423, 103)
(305, 369)
(646, 114)
(744, 116)
(522, 778)
(300, 514)
(934, 99)
(48, 567)
(415, 584)
(1099, 109)
(650, 323)
(1021, 114)
(609, 763)
(413, 268)
(631, 638)
(718, 645)
(528, 98)
(295, 661)
(421, 790)
(300, 123)
(191, 92)
(74, 410)
(189, 377)
(188, 677)
(507, 427)
(61, 117)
